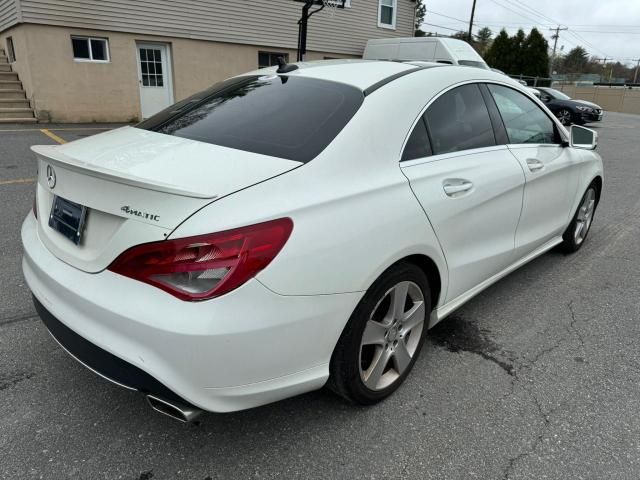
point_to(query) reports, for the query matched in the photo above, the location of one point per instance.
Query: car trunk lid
(137, 186)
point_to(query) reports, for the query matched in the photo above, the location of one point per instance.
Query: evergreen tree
(535, 55)
(499, 53)
(575, 61)
(517, 58)
(483, 40)
(519, 54)
(460, 35)
(421, 11)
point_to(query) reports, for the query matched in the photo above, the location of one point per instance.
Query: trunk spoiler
(53, 155)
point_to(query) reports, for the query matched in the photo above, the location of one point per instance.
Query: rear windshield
(281, 116)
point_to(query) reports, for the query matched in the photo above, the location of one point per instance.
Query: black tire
(571, 241)
(346, 362)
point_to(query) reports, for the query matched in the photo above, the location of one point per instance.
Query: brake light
(205, 266)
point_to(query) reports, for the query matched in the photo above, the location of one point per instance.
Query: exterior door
(154, 78)
(470, 188)
(549, 168)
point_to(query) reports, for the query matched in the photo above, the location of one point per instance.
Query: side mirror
(584, 138)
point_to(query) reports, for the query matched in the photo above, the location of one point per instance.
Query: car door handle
(534, 164)
(454, 188)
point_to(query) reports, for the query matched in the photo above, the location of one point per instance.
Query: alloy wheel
(585, 216)
(392, 335)
(565, 117)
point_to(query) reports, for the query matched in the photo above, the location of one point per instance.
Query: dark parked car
(570, 111)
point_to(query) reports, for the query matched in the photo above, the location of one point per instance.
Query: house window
(387, 13)
(270, 59)
(89, 49)
(10, 50)
(151, 67)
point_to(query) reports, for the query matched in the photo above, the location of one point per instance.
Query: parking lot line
(17, 181)
(81, 129)
(53, 136)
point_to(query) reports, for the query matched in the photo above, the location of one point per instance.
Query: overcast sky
(604, 27)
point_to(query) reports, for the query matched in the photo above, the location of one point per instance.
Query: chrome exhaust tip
(182, 413)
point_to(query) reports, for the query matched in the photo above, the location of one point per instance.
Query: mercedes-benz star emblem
(51, 177)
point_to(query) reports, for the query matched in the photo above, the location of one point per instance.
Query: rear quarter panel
(353, 210)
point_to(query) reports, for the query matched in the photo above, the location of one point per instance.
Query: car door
(468, 184)
(550, 181)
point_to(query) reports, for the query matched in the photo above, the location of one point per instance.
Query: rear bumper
(244, 349)
(103, 363)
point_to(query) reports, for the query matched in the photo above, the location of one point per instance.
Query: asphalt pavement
(536, 378)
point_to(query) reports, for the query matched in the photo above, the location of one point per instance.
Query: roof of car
(359, 73)
(369, 75)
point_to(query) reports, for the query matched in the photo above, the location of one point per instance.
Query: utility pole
(635, 75)
(473, 12)
(604, 65)
(555, 37)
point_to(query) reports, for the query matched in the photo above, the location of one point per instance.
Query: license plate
(68, 218)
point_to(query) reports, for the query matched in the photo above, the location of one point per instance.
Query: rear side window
(459, 120)
(418, 145)
(524, 121)
(280, 116)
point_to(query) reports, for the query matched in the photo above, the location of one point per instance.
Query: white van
(427, 49)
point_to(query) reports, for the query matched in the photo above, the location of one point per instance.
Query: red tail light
(206, 266)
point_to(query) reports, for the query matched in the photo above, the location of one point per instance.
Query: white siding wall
(254, 22)
(8, 14)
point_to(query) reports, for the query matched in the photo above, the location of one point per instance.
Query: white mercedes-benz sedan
(290, 229)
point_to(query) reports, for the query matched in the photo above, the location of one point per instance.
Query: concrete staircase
(14, 106)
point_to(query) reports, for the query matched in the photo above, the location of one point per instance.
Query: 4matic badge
(139, 213)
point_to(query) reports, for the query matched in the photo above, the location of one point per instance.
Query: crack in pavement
(538, 439)
(457, 335)
(9, 381)
(571, 327)
(572, 323)
(18, 318)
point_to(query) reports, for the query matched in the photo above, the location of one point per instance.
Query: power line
(457, 30)
(548, 24)
(525, 11)
(537, 13)
(588, 44)
(529, 9)
(513, 11)
(603, 25)
(447, 16)
(442, 26)
(600, 31)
